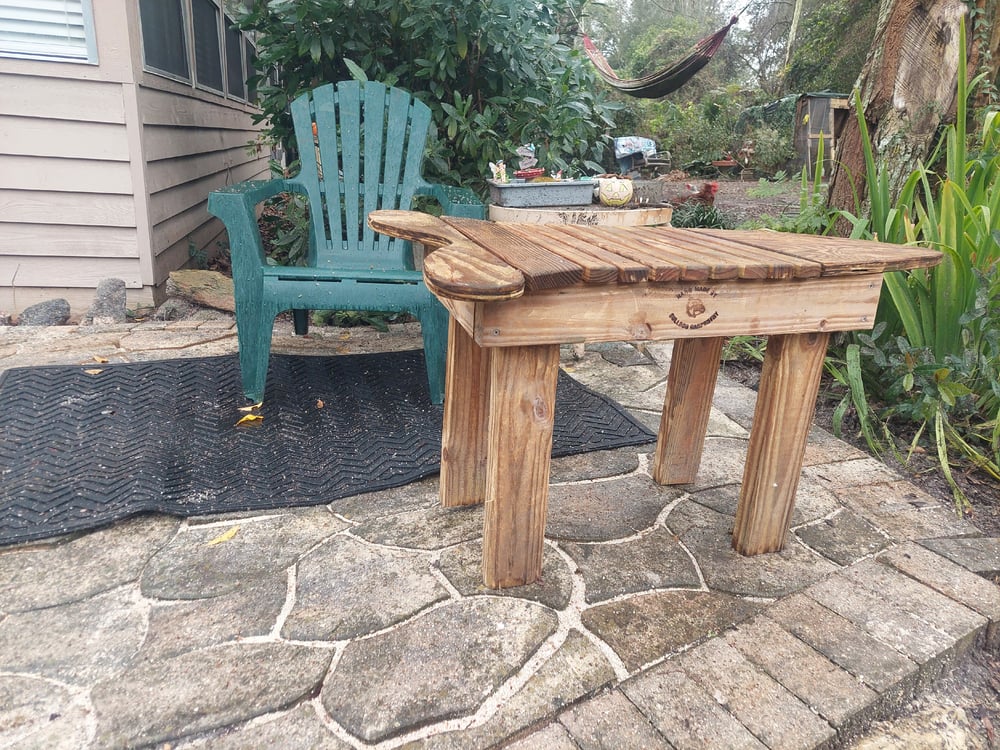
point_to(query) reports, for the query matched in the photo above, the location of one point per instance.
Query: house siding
(105, 170)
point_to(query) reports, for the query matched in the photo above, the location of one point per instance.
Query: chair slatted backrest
(366, 154)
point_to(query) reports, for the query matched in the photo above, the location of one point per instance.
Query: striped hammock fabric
(661, 83)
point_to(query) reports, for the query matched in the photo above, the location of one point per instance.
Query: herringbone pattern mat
(85, 446)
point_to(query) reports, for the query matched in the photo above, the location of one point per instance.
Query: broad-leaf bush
(496, 75)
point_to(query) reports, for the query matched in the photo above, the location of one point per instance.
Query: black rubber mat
(83, 446)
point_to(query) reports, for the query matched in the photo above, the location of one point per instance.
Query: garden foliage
(496, 75)
(934, 355)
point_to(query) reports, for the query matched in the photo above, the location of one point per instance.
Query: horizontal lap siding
(67, 212)
(192, 147)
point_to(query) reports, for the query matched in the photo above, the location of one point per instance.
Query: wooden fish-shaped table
(517, 291)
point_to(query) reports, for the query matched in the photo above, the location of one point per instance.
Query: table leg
(786, 401)
(522, 404)
(466, 415)
(694, 367)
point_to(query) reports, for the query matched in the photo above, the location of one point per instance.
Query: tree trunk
(907, 89)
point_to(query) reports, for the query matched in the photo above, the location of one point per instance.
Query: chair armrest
(455, 201)
(236, 206)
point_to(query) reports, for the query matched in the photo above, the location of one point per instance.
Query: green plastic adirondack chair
(369, 147)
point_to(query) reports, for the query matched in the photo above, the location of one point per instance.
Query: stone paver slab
(708, 536)
(952, 580)
(812, 501)
(689, 717)
(875, 615)
(601, 511)
(369, 507)
(822, 448)
(922, 601)
(346, 589)
(722, 462)
(463, 567)
(438, 666)
(428, 528)
(979, 554)
(299, 728)
(158, 701)
(179, 626)
(762, 705)
(576, 669)
(639, 386)
(844, 537)
(36, 576)
(611, 722)
(195, 565)
(900, 509)
(595, 464)
(78, 643)
(647, 627)
(37, 713)
(879, 666)
(836, 695)
(549, 737)
(653, 561)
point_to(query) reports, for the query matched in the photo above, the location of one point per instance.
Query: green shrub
(692, 215)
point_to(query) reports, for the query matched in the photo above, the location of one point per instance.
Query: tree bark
(907, 88)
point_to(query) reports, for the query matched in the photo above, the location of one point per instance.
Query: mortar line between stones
(332, 726)
(291, 583)
(380, 545)
(640, 470)
(572, 617)
(441, 578)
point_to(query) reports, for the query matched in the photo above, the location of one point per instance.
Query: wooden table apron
(503, 359)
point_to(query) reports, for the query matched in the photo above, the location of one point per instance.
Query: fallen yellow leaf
(250, 418)
(251, 407)
(100, 360)
(97, 371)
(224, 537)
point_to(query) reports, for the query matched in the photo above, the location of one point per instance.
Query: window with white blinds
(48, 30)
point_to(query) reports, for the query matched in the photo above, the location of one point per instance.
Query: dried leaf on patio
(224, 537)
(250, 418)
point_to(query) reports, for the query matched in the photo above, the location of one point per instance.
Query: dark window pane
(207, 50)
(235, 84)
(163, 47)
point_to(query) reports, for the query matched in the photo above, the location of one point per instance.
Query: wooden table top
(484, 260)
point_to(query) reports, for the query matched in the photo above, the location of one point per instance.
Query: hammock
(665, 81)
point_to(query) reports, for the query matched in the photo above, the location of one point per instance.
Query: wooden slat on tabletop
(657, 268)
(751, 262)
(542, 269)
(837, 256)
(692, 265)
(596, 270)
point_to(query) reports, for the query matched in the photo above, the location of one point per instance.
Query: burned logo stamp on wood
(698, 298)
